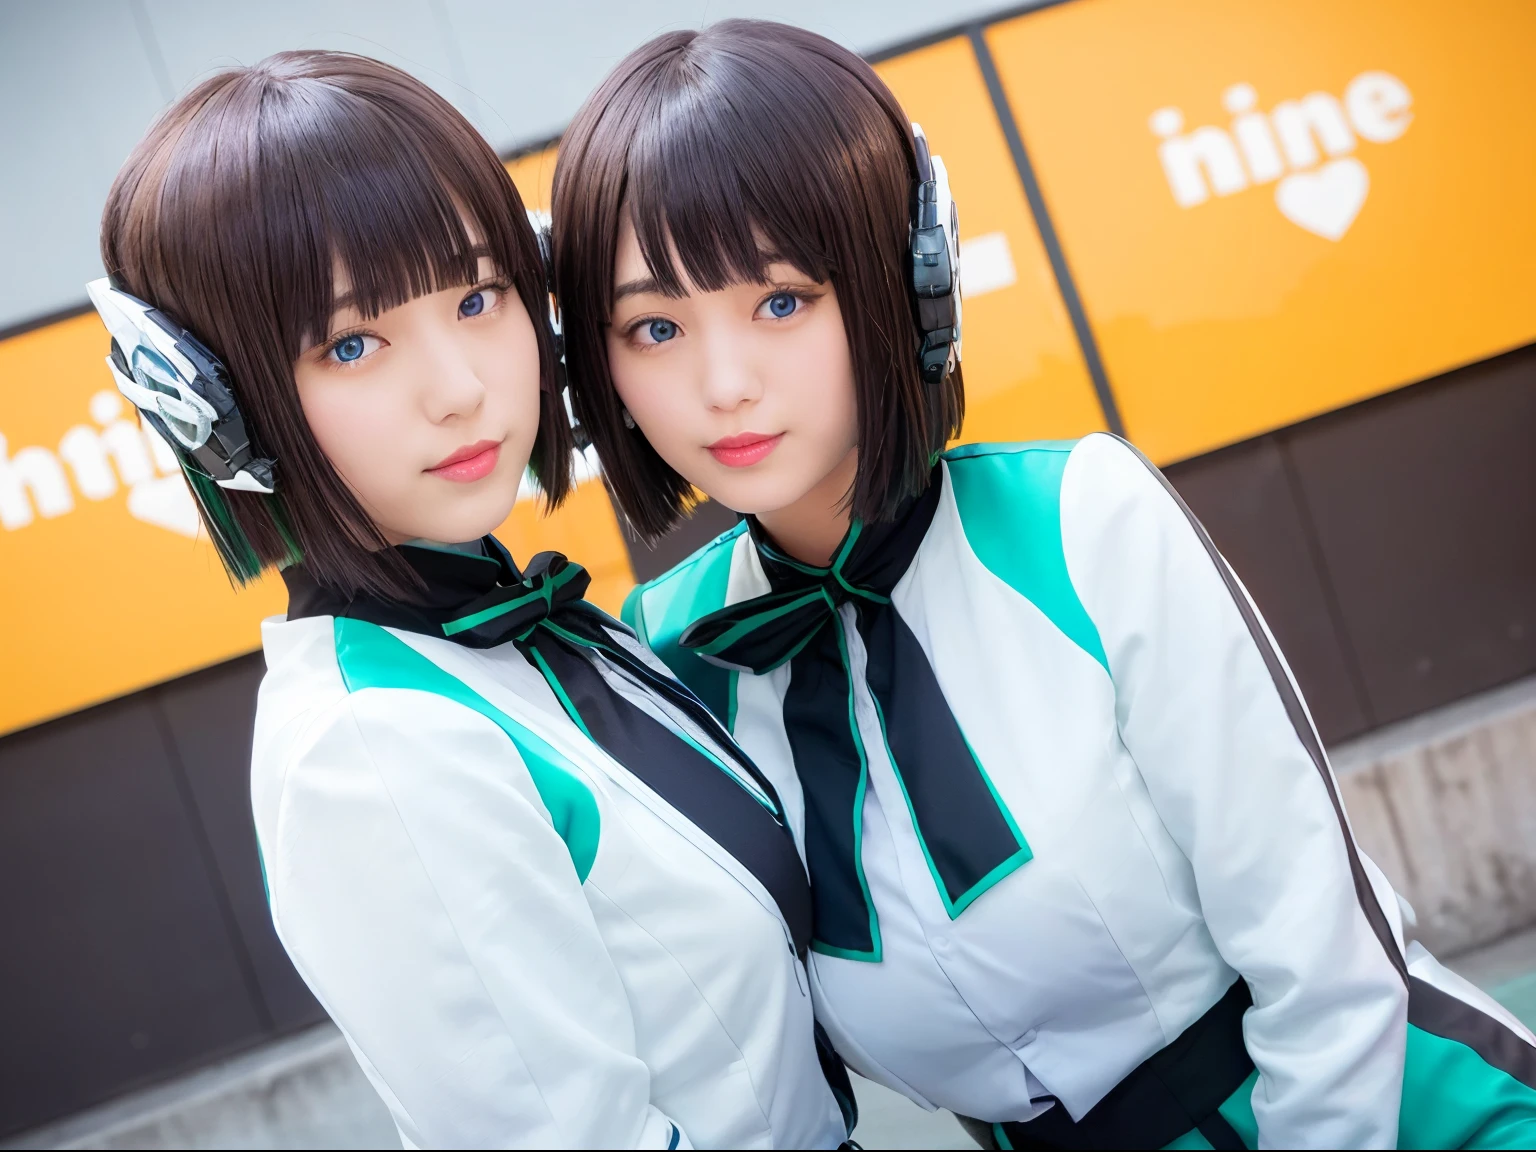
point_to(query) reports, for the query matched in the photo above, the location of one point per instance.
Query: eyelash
(500, 283)
(803, 295)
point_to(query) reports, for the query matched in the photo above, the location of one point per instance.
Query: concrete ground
(307, 1091)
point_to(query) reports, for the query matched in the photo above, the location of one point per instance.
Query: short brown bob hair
(231, 216)
(744, 141)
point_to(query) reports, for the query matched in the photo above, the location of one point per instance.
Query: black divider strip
(1439, 1013)
(1064, 281)
(48, 319)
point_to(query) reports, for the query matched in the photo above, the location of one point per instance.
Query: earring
(629, 421)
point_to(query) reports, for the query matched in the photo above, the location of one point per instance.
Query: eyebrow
(349, 299)
(647, 285)
(644, 286)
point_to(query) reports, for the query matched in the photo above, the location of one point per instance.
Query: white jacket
(523, 944)
(1179, 826)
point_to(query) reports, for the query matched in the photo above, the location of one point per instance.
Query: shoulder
(1106, 470)
(1001, 489)
(660, 609)
(686, 591)
(1032, 470)
(1039, 489)
(404, 741)
(330, 675)
(1008, 498)
(1120, 513)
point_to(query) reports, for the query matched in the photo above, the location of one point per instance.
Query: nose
(451, 387)
(732, 376)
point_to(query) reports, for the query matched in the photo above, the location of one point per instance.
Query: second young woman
(546, 899)
(1079, 865)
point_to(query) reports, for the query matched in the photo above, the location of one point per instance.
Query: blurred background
(1285, 246)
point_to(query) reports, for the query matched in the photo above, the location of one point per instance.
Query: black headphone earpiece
(935, 247)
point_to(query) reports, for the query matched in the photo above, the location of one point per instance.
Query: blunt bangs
(728, 150)
(253, 196)
(706, 180)
(346, 182)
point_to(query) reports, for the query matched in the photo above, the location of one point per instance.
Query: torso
(721, 1015)
(1154, 832)
(1073, 967)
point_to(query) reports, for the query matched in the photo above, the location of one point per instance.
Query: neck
(469, 548)
(810, 529)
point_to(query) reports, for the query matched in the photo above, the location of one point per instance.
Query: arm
(1210, 714)
(429, 903)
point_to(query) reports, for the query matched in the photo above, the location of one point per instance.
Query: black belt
(1171, 1092)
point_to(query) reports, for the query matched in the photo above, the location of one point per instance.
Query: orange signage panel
(1024, 374)
(105, 581)
(1279, 207)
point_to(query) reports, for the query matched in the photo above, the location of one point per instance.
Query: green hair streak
(235, 551)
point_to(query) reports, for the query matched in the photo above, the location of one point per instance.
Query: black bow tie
(969, 838)
(483, 601)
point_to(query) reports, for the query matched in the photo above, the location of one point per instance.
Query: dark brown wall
(1392, 547)
(136, 940)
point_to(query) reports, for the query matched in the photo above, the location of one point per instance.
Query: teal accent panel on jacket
(1452, 1098)
(658, 612)
(371, 658)
(1009, 497)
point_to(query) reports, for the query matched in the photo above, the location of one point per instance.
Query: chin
(755, 495)
(471, 516)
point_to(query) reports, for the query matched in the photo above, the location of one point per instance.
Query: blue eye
(782, 304)
(350, 349)
(662, 330)
(480, 302)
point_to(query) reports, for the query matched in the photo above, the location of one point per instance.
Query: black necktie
(968, 837)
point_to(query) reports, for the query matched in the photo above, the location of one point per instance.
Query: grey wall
(80, 80)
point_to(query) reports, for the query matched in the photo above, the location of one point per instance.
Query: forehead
(633, 275)
(405, 238)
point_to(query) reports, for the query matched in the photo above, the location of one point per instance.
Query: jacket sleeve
(419, 885)
(1209, 712)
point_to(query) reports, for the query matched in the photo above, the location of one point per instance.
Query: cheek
(363, 427)
(634, 378)
(508, 364)
(346, 421)
(821, 376)
(652, 386)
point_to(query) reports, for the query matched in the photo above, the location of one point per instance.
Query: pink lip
(470, 463)
(744, 449)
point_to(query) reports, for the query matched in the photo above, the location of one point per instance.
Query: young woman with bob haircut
(547, 900)
(1079, 867)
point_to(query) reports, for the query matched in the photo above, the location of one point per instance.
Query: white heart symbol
(165, 503)
(1326, 201)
